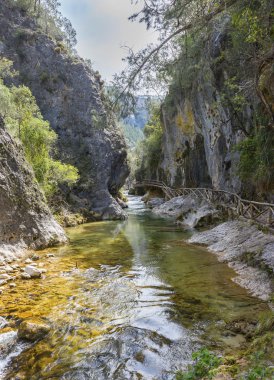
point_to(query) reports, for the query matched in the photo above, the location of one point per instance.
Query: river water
(125, 300)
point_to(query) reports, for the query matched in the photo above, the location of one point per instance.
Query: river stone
(33, 330)
(3, 322)
(25, 276)
(33, 271)
(5, 276)
(154, 202)
(7, 342)
(35, 258)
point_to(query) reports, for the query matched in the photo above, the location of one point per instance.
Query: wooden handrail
(257, 211)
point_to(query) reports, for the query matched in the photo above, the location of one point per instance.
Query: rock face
(201, 129)
(26, 221)
(247, 250)
(71, 98)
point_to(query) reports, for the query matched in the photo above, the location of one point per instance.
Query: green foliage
(205, 362)
(133, 135)
(256, 165)
(151, 147)
(259, 373)
(24, 121)
(49, 18)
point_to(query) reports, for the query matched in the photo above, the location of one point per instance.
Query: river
(125, 300)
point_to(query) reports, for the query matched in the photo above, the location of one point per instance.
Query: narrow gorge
(137, 203)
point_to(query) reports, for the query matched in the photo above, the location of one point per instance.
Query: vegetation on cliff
(24, 121)
(218, 49)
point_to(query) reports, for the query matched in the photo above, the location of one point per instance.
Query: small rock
(8, 269)
(25, 276)
(12, 285)
(28, 261)
(5, 276)
(3, 282)
(43, 270)
(3, 322)
(35, 258)
(33, 330)
(33, 271)
(7, 342)
(50, 255)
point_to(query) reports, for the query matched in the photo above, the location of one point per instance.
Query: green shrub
(256, 164)
(205, 362)
(24, 121)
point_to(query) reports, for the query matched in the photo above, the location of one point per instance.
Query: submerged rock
(33, 330)
(7, 342)
(3, 322)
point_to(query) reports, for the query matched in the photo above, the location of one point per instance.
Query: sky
(103, 28)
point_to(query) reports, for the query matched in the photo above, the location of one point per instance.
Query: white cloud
(103, 28)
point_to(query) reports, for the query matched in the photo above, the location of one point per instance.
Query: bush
(24, 121)
(205, 364)
(256, 166)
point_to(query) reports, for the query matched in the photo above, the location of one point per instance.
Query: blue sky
(103, 28)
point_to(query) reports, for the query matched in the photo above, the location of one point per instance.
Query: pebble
(25, 276)
(50, 255)
(3, 282)
(5, 276)
(35, 258)
(8, 269)
(28, 261)
(3, 322)
(12, 285)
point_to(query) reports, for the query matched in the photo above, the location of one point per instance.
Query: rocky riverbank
(239, 243)
(26, 221)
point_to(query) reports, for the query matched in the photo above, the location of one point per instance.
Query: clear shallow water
(126, 300)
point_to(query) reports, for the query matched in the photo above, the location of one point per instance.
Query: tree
(24, 121)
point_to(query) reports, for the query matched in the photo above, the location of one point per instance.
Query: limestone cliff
(202, 126)
(26, 221)
(70, 97)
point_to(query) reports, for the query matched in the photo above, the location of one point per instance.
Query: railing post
(251, 210)
(270, 215)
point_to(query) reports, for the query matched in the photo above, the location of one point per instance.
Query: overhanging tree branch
(205, 19)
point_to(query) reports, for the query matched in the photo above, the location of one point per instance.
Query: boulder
(33, 330)
(33, 272)
(155, 202)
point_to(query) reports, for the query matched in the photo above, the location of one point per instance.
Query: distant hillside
(140, 116)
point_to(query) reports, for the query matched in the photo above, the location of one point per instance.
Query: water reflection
(133, 300)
